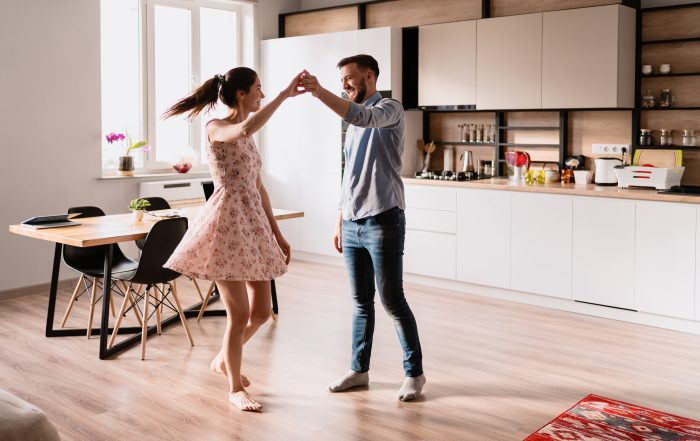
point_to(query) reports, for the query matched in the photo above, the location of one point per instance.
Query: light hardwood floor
(496, 370)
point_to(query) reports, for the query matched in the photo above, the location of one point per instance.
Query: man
(371, 224)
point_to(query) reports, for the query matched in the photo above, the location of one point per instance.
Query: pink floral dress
(232, 238)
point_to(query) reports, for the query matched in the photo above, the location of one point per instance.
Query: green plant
(139, 204)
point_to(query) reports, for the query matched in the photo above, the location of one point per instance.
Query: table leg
(106, 291)
(53, 291)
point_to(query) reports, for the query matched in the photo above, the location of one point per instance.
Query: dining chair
(158, 281)
(159, 203)
(89, 262)
(208, 188)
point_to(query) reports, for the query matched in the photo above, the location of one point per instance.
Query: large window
(155, 52)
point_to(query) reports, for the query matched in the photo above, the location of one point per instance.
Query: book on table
(52, 221)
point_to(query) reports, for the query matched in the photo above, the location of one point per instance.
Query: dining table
(108, 231)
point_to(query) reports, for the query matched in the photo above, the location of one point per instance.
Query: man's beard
(360, 95)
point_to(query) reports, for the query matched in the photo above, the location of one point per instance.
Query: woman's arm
(219, 131)
(286, 249)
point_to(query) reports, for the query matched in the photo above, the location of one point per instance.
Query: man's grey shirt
(373, 148)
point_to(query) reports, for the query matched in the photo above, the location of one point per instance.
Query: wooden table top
(116, 228)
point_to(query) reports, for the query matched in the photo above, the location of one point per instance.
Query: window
(155, 52)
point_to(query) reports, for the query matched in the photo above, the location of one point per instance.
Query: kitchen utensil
(566, 176)
(583, 177)
(660, 178)
(448, 159)
(605, 171)
(665, 69)
(658, 158)
(466, 158)
(648, 99)
(666, 137)
(575, 162)
(549, 174)
(666, 99)
(646, 69)
(428, 149)
(644, 137)
(689, 139)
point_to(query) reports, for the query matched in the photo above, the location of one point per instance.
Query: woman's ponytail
(205, 97)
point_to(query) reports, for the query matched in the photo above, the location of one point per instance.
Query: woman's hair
(221, 86)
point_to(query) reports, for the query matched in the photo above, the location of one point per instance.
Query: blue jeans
(373, 251)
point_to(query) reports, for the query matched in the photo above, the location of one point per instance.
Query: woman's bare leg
(260, 304)
(235, 300)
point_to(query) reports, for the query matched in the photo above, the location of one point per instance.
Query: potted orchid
(126, 162)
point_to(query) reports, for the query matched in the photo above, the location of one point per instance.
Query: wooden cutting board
(658, 158)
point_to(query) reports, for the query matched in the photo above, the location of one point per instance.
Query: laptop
(53, 221)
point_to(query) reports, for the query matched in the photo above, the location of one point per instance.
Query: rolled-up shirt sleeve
(385, 113)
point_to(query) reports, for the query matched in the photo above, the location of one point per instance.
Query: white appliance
(605, 171)
(660, 178)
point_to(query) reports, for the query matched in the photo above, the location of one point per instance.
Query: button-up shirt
(373, 148)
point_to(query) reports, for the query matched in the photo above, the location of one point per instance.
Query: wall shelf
(667, 147)
(679, 74)
(478, 144)
(669, 108)
(529, 146)
(672, 40)
(528, 128)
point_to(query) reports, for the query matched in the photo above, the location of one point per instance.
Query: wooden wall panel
(534, 119)
(671, 23)
(683, 57)
(321, 22)
(587, 128)
(405, 13)
(686, 90)
(443, 127)
(500, 8)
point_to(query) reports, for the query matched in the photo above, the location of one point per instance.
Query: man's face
(354, 82)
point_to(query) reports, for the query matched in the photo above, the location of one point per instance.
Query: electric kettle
(605, 171)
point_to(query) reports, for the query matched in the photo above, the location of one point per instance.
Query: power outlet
(610, 149)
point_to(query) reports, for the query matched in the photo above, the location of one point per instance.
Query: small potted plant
(126, 162)
(137, 206)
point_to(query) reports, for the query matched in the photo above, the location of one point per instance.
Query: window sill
(145, 174)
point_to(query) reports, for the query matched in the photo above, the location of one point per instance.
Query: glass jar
(666, 98)
(666, 137)
(648, 99)
(689, 139)
(644, 137)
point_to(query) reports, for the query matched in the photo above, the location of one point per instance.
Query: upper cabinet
(509, 62)
(447, 64)
(588, 58)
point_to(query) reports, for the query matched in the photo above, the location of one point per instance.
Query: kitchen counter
(644, 194)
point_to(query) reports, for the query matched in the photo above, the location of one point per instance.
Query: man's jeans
(373, 250)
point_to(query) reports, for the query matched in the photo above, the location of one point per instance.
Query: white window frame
(149, 63)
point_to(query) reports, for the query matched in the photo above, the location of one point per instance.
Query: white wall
(316, 4)
(268, 14)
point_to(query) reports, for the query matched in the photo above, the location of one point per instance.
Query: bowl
(182, 167)
(582, 177)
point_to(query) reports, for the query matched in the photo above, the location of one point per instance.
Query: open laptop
(53, 221)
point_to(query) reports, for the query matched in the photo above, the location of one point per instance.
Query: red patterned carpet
(596, 418)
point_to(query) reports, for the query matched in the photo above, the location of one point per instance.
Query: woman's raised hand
(295, 88)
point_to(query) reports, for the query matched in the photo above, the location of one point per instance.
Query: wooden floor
(496, 370)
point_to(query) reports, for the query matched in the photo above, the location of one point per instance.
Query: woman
(236, 241)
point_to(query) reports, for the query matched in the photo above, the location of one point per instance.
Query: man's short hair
(363, 61)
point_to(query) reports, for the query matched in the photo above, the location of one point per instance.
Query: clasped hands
(302, 83)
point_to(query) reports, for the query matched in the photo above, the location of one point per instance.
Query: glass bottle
(644, 137)
(648, 99)
(689, 139)
(666, 98)
(666, 137)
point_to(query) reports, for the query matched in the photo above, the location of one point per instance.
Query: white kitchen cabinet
(483, 237)
(588, 57)
(664, 270)
(697, 266)
(509, 62)
(429, 254)
(430, 197)
(447, 64)
(603, 251)
(320, 194)
(540, 259)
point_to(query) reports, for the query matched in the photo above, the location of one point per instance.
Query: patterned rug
(596, 418)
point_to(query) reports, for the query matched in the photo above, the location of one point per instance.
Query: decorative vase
(138, 215)
(126, 166)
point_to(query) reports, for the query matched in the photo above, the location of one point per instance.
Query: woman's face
(251, 100)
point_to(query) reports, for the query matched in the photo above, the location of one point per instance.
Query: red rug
(596, 418)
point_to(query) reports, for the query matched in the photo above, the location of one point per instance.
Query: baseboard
(36, 289)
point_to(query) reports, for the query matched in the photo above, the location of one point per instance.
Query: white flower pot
(138, 215)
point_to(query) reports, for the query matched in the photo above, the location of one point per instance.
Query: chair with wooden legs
(157, 281)
(89, 262)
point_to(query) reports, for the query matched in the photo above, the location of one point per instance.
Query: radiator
(180, 193)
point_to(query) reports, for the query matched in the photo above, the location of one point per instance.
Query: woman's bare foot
(244, 401)
(218, 366)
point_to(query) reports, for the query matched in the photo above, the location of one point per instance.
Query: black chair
(208, 187)
(89, 262)
(160, 244)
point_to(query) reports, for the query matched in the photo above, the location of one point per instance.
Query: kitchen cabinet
(301, 145)
(431, 224)
(588, 58)
(509, 62)
(447, 64)
(603, 251)
(664, 271)
(483, 237)
(541, 232)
